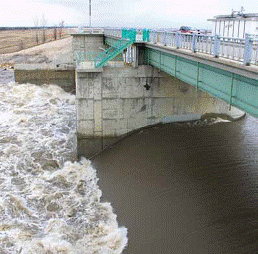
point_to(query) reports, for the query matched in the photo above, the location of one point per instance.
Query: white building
(235, 25)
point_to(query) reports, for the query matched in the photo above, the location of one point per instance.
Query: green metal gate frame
(128, 38)
(237, 90)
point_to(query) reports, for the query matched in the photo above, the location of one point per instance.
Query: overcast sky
(120, 13)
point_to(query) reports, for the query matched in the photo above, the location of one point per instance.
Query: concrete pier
(112, 102)
(88, 43)
(121, 97)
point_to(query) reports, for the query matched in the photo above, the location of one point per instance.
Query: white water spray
(48, 202)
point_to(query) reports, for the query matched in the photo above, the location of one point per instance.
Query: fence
(236, 49)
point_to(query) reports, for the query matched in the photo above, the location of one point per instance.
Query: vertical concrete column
(248, 50)
(129, 55)
(216, 47)
(97, 98)
(87, 45)
(112, 102)
(135, 55)
(89, 111)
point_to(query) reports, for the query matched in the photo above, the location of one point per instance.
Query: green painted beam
(239, 91)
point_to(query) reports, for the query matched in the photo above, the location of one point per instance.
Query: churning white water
(48, 202)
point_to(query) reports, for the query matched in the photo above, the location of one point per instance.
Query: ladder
(128, 38)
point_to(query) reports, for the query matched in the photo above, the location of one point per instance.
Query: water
(177, 188)
(49, 203)
(182, 188)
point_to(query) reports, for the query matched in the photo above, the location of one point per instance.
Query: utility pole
(90, 11)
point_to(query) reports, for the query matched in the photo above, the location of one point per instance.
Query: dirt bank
(14, 40)
(56, 52)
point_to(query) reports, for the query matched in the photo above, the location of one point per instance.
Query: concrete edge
(223, 116)
(181, 118)
(84, 70)
(43, 67)
(87, 34)
(190, 117)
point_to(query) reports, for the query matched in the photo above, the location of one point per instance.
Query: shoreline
(206, 119)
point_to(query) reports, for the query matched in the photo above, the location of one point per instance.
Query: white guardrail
(241, 50)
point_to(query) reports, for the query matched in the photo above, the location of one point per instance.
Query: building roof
(236, 15)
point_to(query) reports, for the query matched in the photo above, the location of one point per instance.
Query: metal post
(155, 36)
(90, 12)
(244, 28)
(178, 40)
(194, 42)
(198, 72)
(148, 56)
(216, 48)
(148, 50)
(135, 56)
(146, 35)
(228, 27)
(129, 55)
(233, 28)
(238, 29)
(159, 61)
(248, 50)
(165, 39)
(231, 90)
(175, 65)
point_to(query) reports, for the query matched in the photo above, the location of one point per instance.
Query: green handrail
(146, 35)
(128, 38)
(129, 34)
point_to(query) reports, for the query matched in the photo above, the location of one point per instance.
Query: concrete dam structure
(121, 97)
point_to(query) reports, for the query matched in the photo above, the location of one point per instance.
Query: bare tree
(55, 33)
(43, 23)
(61, 26)
(36, 24)
(21, 45)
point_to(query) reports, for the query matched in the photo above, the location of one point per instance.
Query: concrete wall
(40, 74)
(115, 102)
(87, 43)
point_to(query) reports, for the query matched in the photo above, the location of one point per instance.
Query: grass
(16, 40)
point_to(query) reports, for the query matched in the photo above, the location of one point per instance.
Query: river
(49, 202)
(182, 188)
(172, 188)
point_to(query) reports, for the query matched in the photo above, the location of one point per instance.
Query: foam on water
(49, 203)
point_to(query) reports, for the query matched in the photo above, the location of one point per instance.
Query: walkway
(184, 57)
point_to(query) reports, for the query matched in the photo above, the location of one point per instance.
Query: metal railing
(116, 32)
(128, 37)
(236, 49)
(90, 30)
(83, 56)
(255, 50)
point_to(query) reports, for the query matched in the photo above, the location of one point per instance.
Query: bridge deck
(224, 78)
